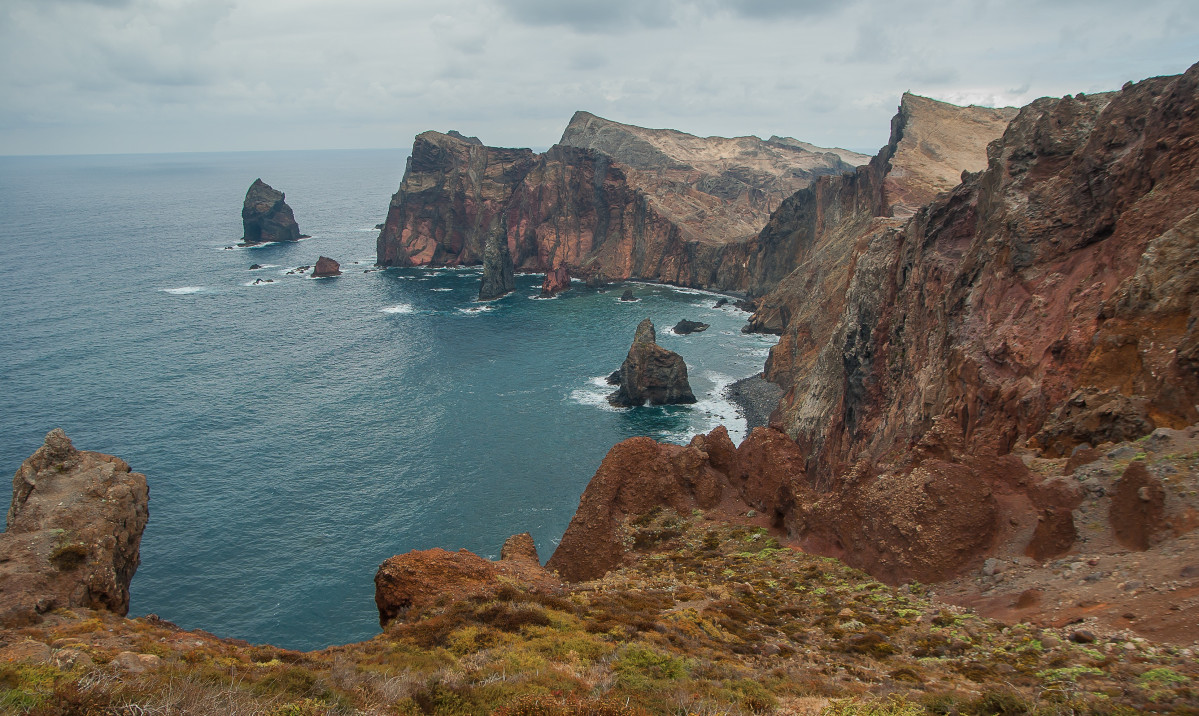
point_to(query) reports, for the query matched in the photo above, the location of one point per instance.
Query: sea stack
(651, 374)
(74, 532)
(556, 281)
(497, 263)
(266, 217)
(326, 267)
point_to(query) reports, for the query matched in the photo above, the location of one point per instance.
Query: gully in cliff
(651, 373)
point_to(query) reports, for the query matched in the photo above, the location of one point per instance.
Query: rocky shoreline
(755, 398)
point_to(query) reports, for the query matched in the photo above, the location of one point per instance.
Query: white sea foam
(475, 310)
(595, 395)
(441, 289)
(182, 290)
(399, 308)
(260, 282)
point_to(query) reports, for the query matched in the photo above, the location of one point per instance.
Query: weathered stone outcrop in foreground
(421, 577)
(265, 216)
(651, 374)
(74, 529)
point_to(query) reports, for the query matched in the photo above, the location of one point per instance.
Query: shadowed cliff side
(1058, 281)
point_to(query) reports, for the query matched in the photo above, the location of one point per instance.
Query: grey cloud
(773, 9)
(591, 15)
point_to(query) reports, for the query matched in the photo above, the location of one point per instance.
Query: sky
(119, 76)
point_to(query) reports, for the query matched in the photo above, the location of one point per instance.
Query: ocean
(295, 433)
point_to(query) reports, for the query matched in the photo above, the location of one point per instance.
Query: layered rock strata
(1048, 300)
(650, 373)
(265, 216)
(74, 528)
(609, 199)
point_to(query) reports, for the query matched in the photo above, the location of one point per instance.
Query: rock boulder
(326, 267)
(556, 281)
(498, 279)
(74, 528)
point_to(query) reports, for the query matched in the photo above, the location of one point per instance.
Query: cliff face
(609, 200)
(1059, 280)
(809, 244)
(74, 528)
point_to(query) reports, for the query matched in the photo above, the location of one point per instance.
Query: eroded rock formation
(498, 277)
(609, 199)
(325, 268)
(556, 281)
(651, 374)
(265, 216)
(74, 528)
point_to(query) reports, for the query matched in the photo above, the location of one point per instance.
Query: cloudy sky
(99, 76)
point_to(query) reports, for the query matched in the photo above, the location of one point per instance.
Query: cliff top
(642, 148)
(934, 142)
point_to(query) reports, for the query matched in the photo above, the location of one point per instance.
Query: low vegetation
(707, 619)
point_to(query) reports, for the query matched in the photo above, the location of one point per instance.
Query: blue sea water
(297, 433)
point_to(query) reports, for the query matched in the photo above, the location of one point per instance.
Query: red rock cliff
(1059, 281)
(609, 200)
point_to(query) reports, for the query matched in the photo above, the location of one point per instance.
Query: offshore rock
(609, 198)
(686, 327)
(74, 528)
(266, 217)
(498, 279)
(652, 374)
(326, 267)
(556, 282)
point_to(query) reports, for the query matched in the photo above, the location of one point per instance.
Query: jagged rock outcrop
(265, 216)
(608, 199)
(1009, 310)
(686, 327)
(498, 276)
(928, 524)
(651, 374)
(556, 281)
(325, 268)
(74, 528)
(419, 578)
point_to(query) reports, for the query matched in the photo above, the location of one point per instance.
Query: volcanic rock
(326, 267)
(1138, 508)
(74, 528)
(556, 282)
(608, 198)
(1058, 268)
(418, 578)
(628, 295)
(685, 327)
(498, 279)
(266, 217)
(519, 548)
(651, 373)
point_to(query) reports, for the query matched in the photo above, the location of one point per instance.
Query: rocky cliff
(609, 200)
(1048, 301)
(265, 216)
(74, 528)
